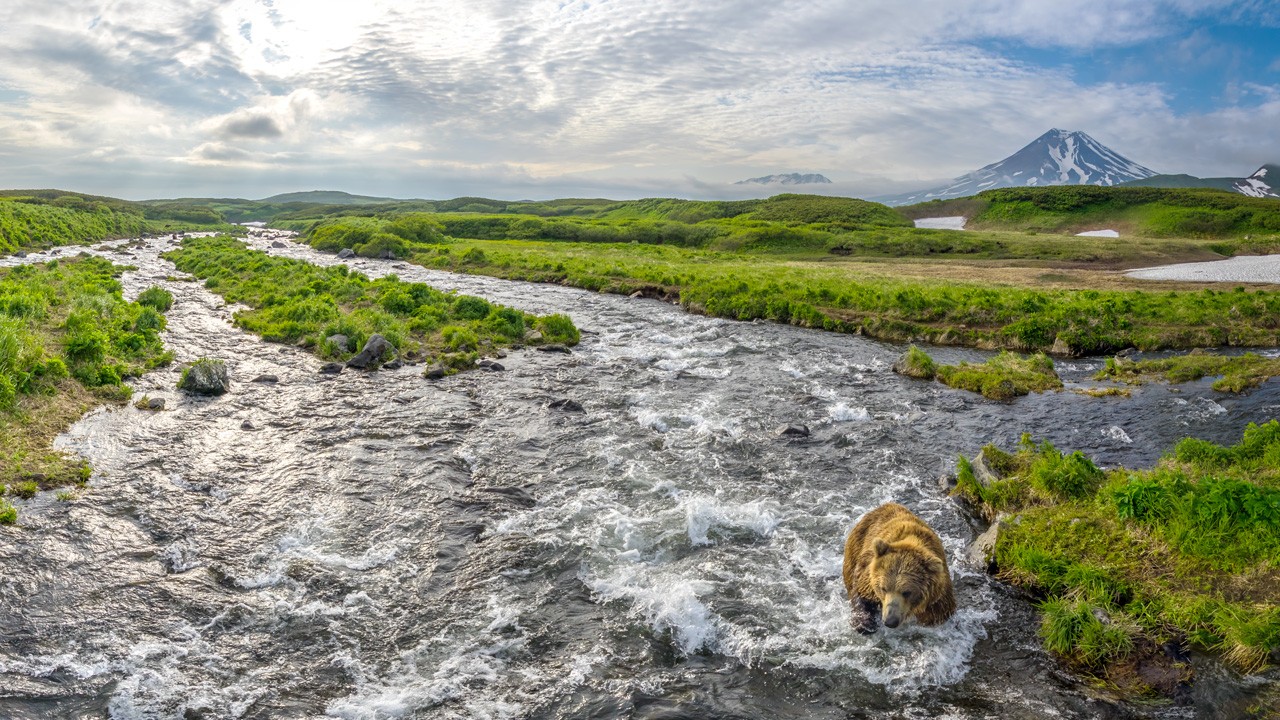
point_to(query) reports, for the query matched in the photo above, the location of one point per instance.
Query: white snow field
(1243, 268)
(955, 222)
(1099, 233)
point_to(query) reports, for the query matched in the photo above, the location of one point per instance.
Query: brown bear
(894, 559)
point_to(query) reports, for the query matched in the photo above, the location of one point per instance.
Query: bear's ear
(882, 547)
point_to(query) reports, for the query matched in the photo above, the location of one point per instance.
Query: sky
(616, 98)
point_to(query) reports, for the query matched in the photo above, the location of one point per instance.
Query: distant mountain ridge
(1058, 157)
(1264, 183)
(326, 197)
(787, 179)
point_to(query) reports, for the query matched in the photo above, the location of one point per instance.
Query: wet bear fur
(894, 560)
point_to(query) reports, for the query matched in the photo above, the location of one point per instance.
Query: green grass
(291, 301)
(1141, 211)
(1187, 550)
(1237, 373)
(33, 219)
(809, 293)
(68, 340)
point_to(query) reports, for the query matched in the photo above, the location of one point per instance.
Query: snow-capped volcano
(1058, 157)
(1263, 183)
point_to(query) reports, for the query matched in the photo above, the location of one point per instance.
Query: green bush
(156, 298)
(558, 328)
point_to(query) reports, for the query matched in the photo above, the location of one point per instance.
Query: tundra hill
(1143, 211)
(326, 197)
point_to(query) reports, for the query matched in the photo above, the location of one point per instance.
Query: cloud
(437, 97)
(269, 118)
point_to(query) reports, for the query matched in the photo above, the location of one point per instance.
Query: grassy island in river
(293, 301)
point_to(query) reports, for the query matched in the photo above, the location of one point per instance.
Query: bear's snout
(892, 616)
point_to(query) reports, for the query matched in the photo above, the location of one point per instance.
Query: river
(375, 545)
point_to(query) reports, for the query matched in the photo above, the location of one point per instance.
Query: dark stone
(248, 425)
(434, 371)
(339, 341)
(266, 379)
(491, 366)
(20, 253)
(566, 405)
(206, 377)
(345, 253)
(155, 403)
(374, 350)
(501, 354)
(555, 348)
(332, 368)
(387, 255)
(393, 365)
(797, 431)
(277, 244)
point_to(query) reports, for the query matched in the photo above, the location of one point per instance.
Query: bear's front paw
(863, 621)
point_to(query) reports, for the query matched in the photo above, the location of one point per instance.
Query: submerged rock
(376, 348)
(332, 368)
(277, 244)
(248, 425)
(555, 347)
(149, 403)
(491, 366)
(266, 379)
(795, 431)
(345, 253)
(566, 405)
(206, 377)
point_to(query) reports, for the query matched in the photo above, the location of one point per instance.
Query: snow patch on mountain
(1259, 183)
(787, 179)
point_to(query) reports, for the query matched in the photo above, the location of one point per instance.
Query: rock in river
(345, 253)
(206, 377)
(374, 350)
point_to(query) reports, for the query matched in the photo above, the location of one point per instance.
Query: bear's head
(905, 577)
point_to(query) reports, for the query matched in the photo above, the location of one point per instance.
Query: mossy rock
(205, 377)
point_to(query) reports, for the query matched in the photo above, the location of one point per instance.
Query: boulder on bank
(981, 552)
(345, 253)
(340, 341)
(435, 371)
(206, 376)
(375, 349)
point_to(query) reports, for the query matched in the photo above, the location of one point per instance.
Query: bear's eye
(907, 595)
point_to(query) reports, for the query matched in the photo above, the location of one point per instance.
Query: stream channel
(376, 545)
